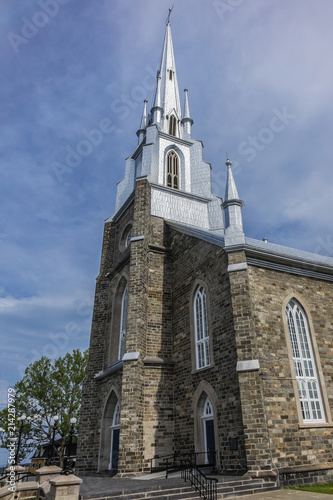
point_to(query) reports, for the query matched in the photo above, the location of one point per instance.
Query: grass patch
(315, 488)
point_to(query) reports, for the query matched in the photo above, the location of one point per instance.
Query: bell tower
(128, 395)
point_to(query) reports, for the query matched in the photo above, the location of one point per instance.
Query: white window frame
(123, 323)
(202, 342)
(307, 379)
(172, 170)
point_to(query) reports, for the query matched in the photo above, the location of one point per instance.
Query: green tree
(46, 389)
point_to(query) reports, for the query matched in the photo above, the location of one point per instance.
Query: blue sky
(260, 79)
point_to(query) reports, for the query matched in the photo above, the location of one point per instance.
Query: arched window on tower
(123, 323)
(304, 363)
(172, 125)
(172, 170)
(202, 348)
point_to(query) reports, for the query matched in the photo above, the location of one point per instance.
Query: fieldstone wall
(197, 262)
(293, 444)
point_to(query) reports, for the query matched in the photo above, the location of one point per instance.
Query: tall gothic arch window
(202, 348)
(172, 125)
(173, 170)
(304, 363)
(123, 323)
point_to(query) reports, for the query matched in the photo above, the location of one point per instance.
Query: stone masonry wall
(193, 262)
(250, 383)
(293, 444)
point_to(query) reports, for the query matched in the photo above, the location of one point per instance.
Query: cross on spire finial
(168, 20)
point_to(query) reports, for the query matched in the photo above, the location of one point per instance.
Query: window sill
(110, 369)
(198, 370)
(315, 425)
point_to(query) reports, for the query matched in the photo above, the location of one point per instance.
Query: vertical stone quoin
(132, 397)
(250, 384)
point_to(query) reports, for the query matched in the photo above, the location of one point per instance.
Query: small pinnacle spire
(187, 120)
(157, 109)
(231, 192)
(144, 115)
(232, 207)
(142, 130)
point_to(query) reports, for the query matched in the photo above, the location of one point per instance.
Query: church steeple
(232, 207)
(166, 90)
(169, 158)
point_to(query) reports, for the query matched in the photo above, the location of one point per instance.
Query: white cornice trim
(173, 138)
(177, 192)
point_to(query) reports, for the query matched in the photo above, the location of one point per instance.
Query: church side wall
(294, 445)
(197, 262)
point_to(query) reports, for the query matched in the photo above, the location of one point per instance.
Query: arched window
(208, 409)
(172, 170)
(123, 323)
(128, 237)
(304, 363)
(172, 125)
(202, 348)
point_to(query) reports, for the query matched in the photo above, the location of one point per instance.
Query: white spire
(167, 87)
(232, 207)
(142, 130)
(187, 120)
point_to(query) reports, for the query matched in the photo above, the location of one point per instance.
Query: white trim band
(247, 366)
(237, 267)
(137, 238)
(131, 356)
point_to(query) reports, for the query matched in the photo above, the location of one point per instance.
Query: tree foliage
(46, 389)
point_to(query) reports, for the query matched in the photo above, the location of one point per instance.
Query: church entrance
(110, 430)
(114, 448)
(209, 434)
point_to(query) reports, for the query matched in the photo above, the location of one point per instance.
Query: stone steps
(187, 492)
(243, 486)
(179, 490)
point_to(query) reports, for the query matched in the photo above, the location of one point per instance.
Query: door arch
(114, 445)
(209, 432)
(110, 422)
(205, 430)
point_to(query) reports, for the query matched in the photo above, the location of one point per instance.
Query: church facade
(203, 341)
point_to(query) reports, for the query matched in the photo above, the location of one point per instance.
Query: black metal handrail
(170, 460)
(206, 486)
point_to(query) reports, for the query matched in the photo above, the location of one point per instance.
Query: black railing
(188, 465)
(169, 462)
(205, 486)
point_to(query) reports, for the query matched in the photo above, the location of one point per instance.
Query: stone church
(204, 341)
